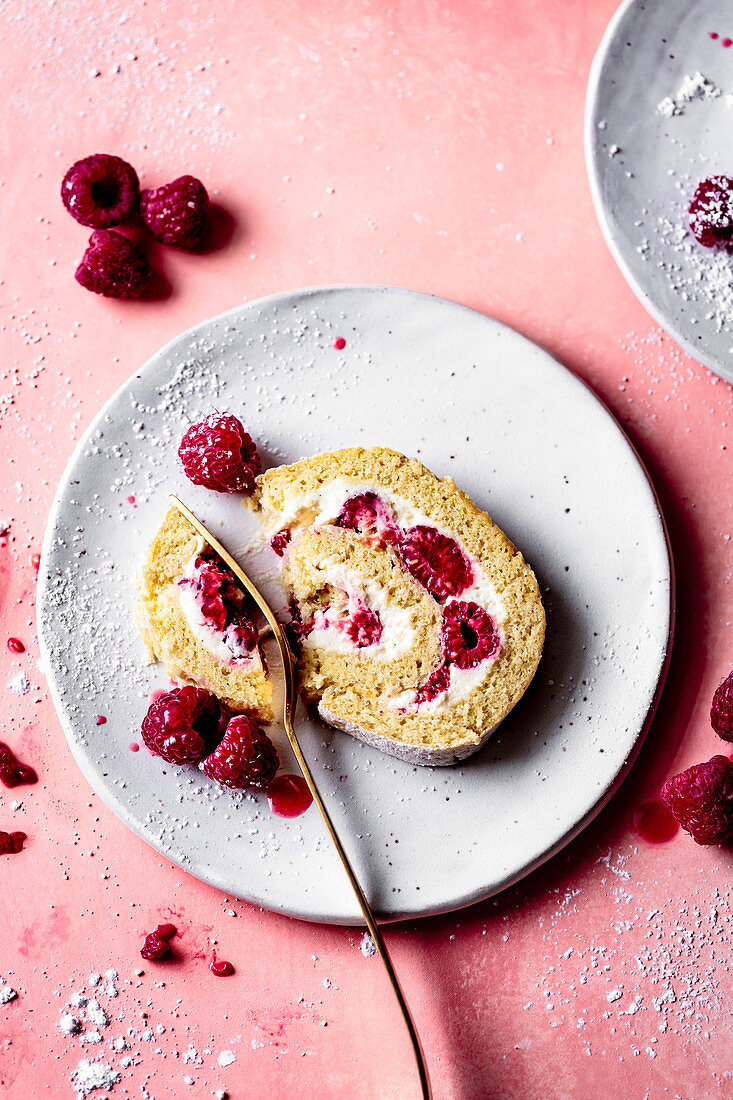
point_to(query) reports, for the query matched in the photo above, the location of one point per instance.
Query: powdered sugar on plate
(692, 87)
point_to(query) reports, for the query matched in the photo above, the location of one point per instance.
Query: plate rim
(109, 796)
(592, 162)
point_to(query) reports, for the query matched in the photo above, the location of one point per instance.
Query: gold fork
(291, 698)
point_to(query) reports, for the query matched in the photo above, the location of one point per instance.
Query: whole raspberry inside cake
(195, 619)
(418, 624)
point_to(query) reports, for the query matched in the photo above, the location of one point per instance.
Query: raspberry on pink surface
(246, 759)
(721, 712)
(101, 190)
(177, 213)
(157, 944)
(701, 799)
(711, 211)
(113, 266)
(182, 725)
(436, 561)
(469, 634)
(219, 454)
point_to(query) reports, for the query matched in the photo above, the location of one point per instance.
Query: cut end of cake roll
(419, 625)
(194, 618)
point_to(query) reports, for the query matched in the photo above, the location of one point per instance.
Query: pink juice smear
(289, 796)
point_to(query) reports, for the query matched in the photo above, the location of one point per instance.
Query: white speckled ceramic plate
(526, 439)
(644, 165)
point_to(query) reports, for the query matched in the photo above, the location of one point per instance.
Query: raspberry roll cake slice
(419, 625)
(194, 618)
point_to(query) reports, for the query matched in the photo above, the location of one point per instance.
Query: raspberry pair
(701, 798)
(185, 726)
(103, 190)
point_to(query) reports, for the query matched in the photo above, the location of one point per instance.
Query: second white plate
(644, 161)
(528, 442)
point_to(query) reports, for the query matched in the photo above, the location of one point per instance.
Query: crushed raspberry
(12, 772)
(221, 602)
(469, 634)
(363, 626)
(280, 540)
(721, 712)
(711, 211)
(182, 725)
(437, 682)
(436, 561)
(113, 266)
(701, 799)
(11, 843)
(177, 213)
(157, 944)
(220, 455)
(246, 758)
(371, 517)
(100, 190)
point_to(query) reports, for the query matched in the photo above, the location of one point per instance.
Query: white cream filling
(398, 631)
(200, 627)
(323, 505)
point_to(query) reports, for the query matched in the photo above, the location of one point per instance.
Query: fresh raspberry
(436, 561)
(437, 682)
(363, 627)
(178, 212)
(469, 634)
(368, 514)
(113, 266)
(711, 211)
(101, 190)
(182, 725)
(246, 757)
(220, 455)
(701, 799)
(157, 943)
(280, 540)
(721, 712)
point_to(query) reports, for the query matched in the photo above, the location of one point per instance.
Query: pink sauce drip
(36, 561)
(339, 343)
(289, 796)
(130, 500)
(10, 843)
(714, 35)
(15, 645)
(654, 823)
(12, 772)
(220, 967)
(727, 43)
(101, 720)
(134, 747)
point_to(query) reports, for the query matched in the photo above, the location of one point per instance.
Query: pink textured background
(428, 145)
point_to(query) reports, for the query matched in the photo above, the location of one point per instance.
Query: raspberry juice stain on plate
(289, 796)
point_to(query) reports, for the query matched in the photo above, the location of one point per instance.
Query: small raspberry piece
(721, 712)
(436, 561)
(363, 627)
(177, 213)
(368, 514)
(101, 190)
(218, 454)
(280, 540)
(469, 634)
(113, 266)
(437, 682)
(182, 725)
(711, 211)
(157, 943)
(246, 757)
(701, 799)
